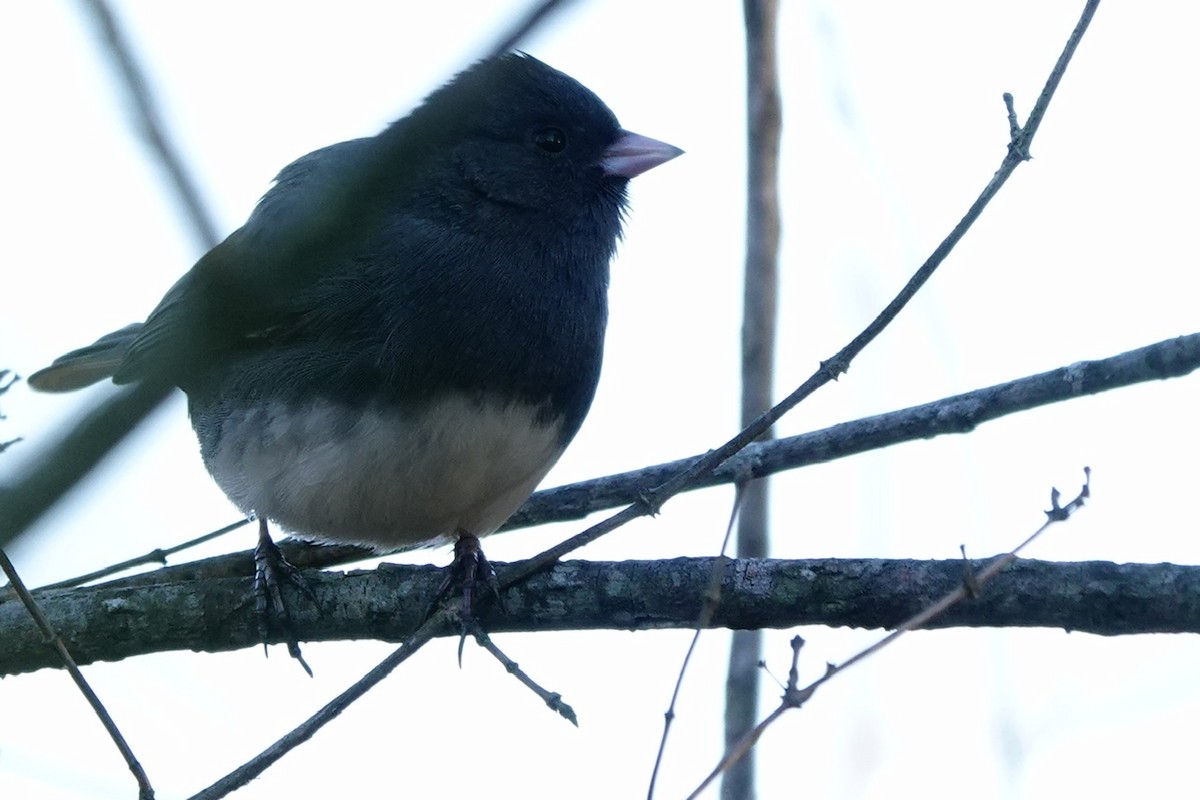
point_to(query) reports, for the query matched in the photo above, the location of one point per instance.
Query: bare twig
(156, 556)
(145, 790)
(149, 121)
(740, 749)
(65, 462)
(795, 696)
(305, 731)
(7, 380)
(552, 699)
(963, 592)
(712, 597)
(531, 19)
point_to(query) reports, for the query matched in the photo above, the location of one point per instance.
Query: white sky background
(894, 122)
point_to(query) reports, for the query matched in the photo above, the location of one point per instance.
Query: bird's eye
(551, 139)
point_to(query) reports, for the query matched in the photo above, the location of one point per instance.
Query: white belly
(380, 478)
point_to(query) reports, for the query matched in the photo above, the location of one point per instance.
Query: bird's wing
(245, 290)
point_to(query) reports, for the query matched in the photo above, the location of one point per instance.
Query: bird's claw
(469, 570)
(271, 571)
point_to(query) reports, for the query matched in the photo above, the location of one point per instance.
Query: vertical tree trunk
(758, 355)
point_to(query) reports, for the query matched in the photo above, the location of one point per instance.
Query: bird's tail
(87, 365)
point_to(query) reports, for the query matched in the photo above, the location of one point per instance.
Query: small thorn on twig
(1016, 134)
(970, 582)
(1014, 127)
(834, 367)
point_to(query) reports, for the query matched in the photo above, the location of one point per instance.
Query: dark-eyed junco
(417, 375)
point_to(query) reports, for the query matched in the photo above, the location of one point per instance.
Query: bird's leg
(474, 569)
(470, 570)
(271, 569)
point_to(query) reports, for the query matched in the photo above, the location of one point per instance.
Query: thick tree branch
(111, 622)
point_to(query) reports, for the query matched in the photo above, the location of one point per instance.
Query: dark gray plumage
(432, 360)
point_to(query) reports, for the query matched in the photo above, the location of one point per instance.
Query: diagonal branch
(972, 581)
(62, 655)
(149, 122)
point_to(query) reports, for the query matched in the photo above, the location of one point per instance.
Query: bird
(408, 330)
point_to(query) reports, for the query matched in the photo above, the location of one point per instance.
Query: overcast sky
(893, 124)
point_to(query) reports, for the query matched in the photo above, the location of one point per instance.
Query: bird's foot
(271, 571)
(471, 571)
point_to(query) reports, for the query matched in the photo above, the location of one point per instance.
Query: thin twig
(712, 598)
(66, 461)
(149, 121)
(525, 25)
(7, 380)
(963, 592)
(1038, 112)
(145, 790)
(552, 699)
(795, 696)
(156, 556)
(305, 731)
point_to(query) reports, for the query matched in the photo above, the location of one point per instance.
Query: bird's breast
(383, 477)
